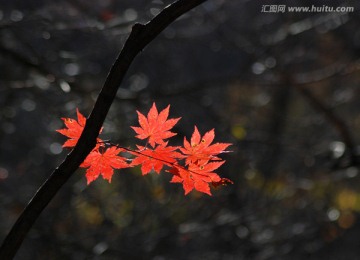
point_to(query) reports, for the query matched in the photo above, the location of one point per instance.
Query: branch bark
(140, 36)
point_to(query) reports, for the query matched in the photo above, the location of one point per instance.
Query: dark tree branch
(277, 124)
(339, 125)
(139, 38)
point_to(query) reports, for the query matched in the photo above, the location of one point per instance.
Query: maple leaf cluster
(199, 156)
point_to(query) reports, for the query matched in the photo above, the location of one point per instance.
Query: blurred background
(282, 87)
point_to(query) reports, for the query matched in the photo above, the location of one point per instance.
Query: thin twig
(170, 164)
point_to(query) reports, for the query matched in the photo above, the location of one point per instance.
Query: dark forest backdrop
(282, 87)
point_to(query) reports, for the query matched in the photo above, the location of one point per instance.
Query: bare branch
(339, 125)
(139, 38)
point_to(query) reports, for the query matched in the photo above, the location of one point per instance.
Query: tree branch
(139, 38)
(339, 124)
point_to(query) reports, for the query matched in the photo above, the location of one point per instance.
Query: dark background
(282, 87)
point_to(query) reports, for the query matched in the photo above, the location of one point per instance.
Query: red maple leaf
(197, 177)
(199, 150)
(103, 163)
(73, 129)
(155, 159)
(155, 126)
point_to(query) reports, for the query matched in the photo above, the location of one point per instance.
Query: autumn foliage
(192, 165)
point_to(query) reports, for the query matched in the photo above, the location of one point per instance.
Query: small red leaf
(196, 177)
(73, 129)
(200, 149)
(155, 159)
(103, 164)
(156, 127)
